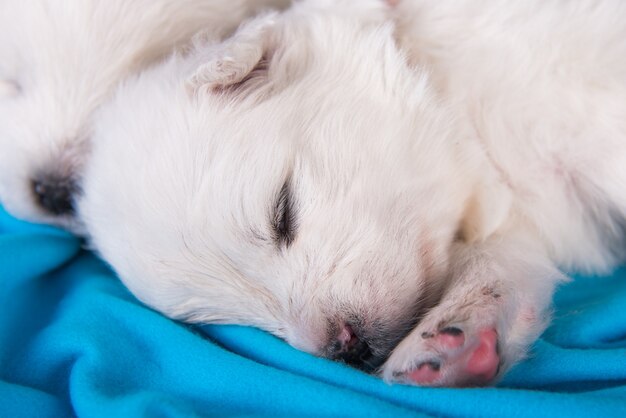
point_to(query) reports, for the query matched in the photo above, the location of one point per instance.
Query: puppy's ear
(237, 64)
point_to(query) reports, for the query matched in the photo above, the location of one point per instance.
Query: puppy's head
(45, 101)
(295, 177)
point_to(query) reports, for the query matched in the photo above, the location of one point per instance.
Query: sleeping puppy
(401, 209)
(59, 60)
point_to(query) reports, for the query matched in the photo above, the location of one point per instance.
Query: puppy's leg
(495, 307)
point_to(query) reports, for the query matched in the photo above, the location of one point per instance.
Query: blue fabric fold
(74, 342)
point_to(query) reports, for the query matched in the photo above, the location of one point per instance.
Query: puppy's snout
(347, 339)
(55, 194)
(354, 350)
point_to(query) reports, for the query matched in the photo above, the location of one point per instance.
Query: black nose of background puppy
(55, 194)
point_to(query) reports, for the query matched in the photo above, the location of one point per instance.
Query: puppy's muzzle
(55, 194)
(354, 350)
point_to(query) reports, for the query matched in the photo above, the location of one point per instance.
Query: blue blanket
(73, 341)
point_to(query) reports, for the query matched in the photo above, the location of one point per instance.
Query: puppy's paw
(494, 309)
(456, 344)
(450, 359)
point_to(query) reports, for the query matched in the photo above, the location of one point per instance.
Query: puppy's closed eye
(283, 219)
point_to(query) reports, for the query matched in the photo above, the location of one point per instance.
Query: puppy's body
(302, 178)
(541, 86)
(59, 62)
(540, 90)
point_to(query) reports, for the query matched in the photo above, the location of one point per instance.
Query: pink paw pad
(426, 373)
(451, 337)
(483, 363)
(471, 364)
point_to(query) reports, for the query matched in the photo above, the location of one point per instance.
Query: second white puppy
(59, 60)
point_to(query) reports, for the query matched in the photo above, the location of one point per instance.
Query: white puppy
(59, 60)
(301, 177)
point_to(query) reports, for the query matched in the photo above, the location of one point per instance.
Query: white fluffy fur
(467, 175)
(59, 60)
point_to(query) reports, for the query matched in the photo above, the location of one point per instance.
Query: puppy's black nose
(55, 194)
(354, 351)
